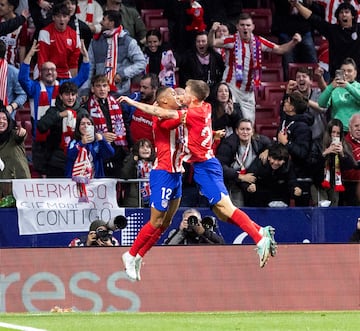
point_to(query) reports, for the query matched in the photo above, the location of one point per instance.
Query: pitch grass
(219, 321)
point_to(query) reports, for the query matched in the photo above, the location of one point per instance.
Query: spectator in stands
(91, 13)
(343, 37)
(42, 94)
(115, 54)
(16, 41)
(225, 112)
(201, 63)
(131, 19)
(236, 153)
(11, 92)
(304, 84)
(13, 162)
(137, 165)
(108, 119)
(60, 120)
(195, 230)
(244, 48)
(294, 132)
(342, 96)
(160, 59)
(99, 235)
(275, 179)
(59, 44)
(222, 32)
(12, 24)
(351, 177)
(140, 122)
(286, 22)
(355, 237)
(41, 13)
(327, 167)
(92, 144)
(82, 30)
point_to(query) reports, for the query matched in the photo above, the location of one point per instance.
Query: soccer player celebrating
(207, 169)
(165, 183)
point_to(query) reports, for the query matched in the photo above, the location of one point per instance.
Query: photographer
(194, 230)
(99, 235)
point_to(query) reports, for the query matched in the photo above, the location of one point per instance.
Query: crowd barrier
(293, 225)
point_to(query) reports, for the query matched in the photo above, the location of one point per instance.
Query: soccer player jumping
(208, 172)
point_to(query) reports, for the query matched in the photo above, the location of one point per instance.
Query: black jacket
(226, 153)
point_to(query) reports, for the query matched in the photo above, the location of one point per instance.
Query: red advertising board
(190, 278)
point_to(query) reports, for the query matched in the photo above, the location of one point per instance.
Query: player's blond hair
(198, 88)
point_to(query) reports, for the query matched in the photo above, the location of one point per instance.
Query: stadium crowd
(283, 82)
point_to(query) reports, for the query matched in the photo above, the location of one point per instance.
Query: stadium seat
(268, 130)
(271, 92)
(272, 73)
(157, 22)
(262, 18)
(266, 113)
(164, 30)
(146, 14)
(270, 58)
(293, 67)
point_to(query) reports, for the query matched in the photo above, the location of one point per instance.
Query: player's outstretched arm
(150, 109)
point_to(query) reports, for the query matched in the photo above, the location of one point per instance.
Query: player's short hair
(198, 88)
(154, 80)
(160, 92)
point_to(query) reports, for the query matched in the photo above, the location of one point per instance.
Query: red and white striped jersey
(247, 61)
(198, 137)
(168, 137)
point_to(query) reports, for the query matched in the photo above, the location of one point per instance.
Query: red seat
(266, 113)
(262, 18)
(146, 14)
(164, 30)
(268, 130)
(272, 73)
(271, 92)
(157, 22)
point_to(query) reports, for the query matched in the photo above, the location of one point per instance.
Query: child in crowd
(138, 164)
(160, 60)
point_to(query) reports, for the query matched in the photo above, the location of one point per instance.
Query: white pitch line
(19, 327)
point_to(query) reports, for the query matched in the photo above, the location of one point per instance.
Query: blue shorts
(164, 186)
(210, 178)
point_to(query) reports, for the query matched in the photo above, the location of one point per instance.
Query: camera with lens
(192, 221)
(117, 223)
(208, 222)
(103, 235)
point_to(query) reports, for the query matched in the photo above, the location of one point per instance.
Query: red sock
(151, 242)
(242, 220)
(142, 238)
(258, 227)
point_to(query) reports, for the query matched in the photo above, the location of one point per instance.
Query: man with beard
(42, 94)
(140, 122)
(343, 36)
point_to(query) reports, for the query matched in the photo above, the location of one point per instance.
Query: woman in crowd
(95, 148)
(236, 153)
(13, 162)
(137, 165)
(328, 164)
(160, 60)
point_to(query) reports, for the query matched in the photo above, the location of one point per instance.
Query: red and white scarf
(3, 81)
(143, 171)
(68, 128)
(116, 117)
(43, 106)
(112, 55)
(326, 184)
(89, 17)
(82, 172)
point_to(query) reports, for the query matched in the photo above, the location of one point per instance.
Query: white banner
(51, 205)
